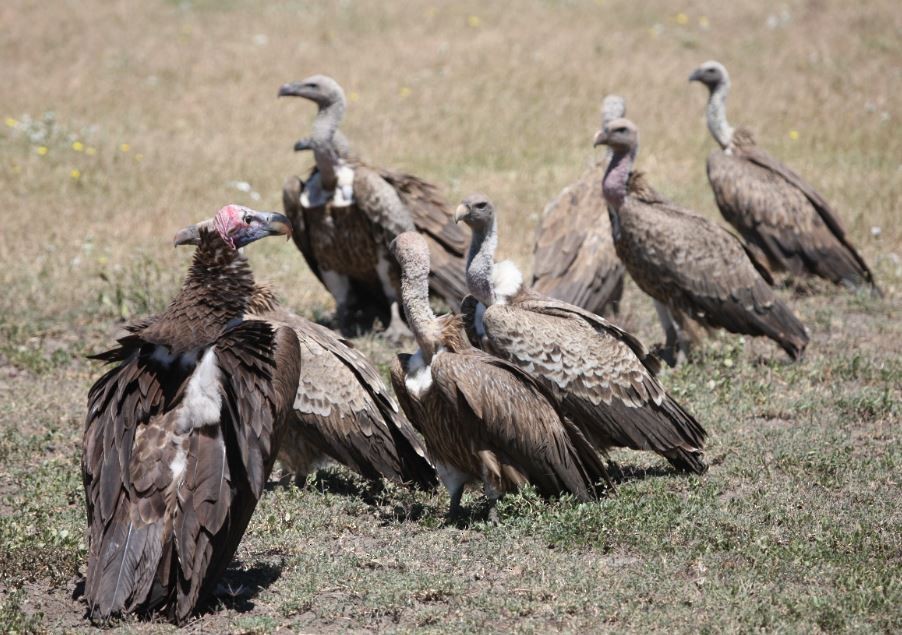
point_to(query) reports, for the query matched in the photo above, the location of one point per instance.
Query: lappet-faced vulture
(347, 212)
(483, 419)
(690, 266)
(784, 220)
(574, 258)
(343, 412)
(182, 433)
(602, 375)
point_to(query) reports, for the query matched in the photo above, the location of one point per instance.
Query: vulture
(784, 220)
(182, 432)
(691, 267)
(483, 419)
(347, 213)
(602, 376)
(573, 257)
(343, 411)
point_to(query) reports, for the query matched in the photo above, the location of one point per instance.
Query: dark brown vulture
(574, 258)
(602, 375)
(347, 212)
(781, 217)
(483, 419)
(343, 411)
(181, 435)
(690, 266)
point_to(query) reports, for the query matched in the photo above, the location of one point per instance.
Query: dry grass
(502, 99)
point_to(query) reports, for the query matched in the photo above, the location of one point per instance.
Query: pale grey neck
(617, 176)
(324, 151)
(422, 322)
(716, 113)
(481, 263)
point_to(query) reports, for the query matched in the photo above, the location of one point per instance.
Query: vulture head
(712, 74)
(238, 226)
(321, 90)
(476, 211)
(412, 253)
(621, 135)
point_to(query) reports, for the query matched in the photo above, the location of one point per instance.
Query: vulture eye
(480, 205)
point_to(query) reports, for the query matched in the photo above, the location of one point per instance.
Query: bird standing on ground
(781, 217)
(602, 375)
(691, 267)
(483, 418)
(182, 433)
(574, 258)
(347, 212)
(343, 411)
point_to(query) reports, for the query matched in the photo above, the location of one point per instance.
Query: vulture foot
(397, 332)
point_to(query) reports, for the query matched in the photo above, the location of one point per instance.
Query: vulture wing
(781, 215)
(602, 375)
(291, 203)
(574, 258)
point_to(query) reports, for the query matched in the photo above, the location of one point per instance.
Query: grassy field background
(125, 121)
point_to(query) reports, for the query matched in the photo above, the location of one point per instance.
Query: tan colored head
(320, 89)
(476, 211)
(621, 135)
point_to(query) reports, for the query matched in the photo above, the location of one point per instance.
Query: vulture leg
(340, 288)
(668, 352)
(397, 331)
(454, 509)
(688, 332)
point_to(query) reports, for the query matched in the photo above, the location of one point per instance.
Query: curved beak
(696, 75)
(303, 144)
(189, 235)
(274, 223)
(460, 213)
(292, 89)
(600, 138)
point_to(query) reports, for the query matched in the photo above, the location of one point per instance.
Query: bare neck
(617, 176)
(716, 114)
(481, 263)
(324, 150)
(415, 294)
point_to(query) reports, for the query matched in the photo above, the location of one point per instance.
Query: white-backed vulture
(181, 435)
(483, 419)
(347, 212)
(343, 411)
(781, 217)
(690, 266)
(574, 258)
(602, 375)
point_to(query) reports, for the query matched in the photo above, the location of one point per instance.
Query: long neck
(415, 296)
(716, 113)
(617, 176)
(611, 110)
(481, 263)
(214, 295)
(324, 126)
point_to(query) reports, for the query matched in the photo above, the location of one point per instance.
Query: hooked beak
(292, 89)
(600, 138)
(696, 75)
(189, 235)
(460, 213)
(302, 144)
(274, 223)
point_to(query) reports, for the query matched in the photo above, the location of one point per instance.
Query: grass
(160, 107)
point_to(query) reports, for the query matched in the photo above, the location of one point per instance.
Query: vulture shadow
(622, 474)
(239, 586)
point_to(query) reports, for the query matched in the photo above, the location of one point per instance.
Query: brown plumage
(181, 435)
(573, 257)
(689, 265)
(343, 411)
(782, 218)
(483, 419)
(346, 213)
(601, 375)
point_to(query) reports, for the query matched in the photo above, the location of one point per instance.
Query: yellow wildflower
(124, 147)
(42, 150)
(12, 123)
(405, 91)
(794, 135)
(75, 174)
(682, 18)
(78, 146)
(90, 151)
(599, 2)
(139, 157)
(474, 22)
(102, 260)
(704, 22)
(354, 96)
